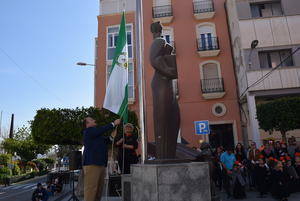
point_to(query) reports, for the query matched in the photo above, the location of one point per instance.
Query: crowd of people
(42, 194)
(273, 168)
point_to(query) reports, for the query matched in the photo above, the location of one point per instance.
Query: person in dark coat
(261, 173)
(279, 178)
(297, 168)
(95, 157)
(39, 194)
(129, 146)
(240, 153)
(293, 175)
(238, 181)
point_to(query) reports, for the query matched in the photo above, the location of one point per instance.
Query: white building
(275, 24)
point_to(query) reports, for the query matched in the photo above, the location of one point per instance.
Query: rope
(112, 159)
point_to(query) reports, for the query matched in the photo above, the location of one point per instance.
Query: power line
(269, 73)
(31, 77)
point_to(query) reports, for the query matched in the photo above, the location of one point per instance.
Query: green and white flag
(116, 97)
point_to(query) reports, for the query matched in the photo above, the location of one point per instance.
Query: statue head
(156, 29)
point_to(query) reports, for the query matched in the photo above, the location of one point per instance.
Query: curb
(32, 179)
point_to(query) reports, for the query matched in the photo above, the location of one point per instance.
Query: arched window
(211, 79)
(168, 35)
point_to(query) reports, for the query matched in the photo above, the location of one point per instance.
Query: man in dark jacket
(39, 194)
(95, 157)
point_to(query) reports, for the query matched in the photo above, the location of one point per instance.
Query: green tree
(64, 126)
(24, 145)
(281, 115)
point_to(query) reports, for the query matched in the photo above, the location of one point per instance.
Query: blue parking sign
(202, 127)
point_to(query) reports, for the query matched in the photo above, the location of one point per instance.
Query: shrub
(4, 171)
(5, 159)
(16, 169)
(40, 164)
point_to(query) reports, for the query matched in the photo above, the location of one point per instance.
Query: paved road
(20, 191)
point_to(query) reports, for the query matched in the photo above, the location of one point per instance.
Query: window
(202, 6)
(210, 71)
(168, 35)
(271, 59)
(266, 9)
(131, 94)
(112, 38)
(206, 39)
(175, 88)
(130, 81)
(211, 80)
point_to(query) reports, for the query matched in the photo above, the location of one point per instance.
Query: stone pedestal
(170, 182)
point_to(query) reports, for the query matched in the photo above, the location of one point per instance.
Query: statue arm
(162, 67)
(164, 64)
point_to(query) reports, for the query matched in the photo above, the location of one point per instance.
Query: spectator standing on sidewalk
(253, 157)
(261, 173)
(95, 157)
(227, 160)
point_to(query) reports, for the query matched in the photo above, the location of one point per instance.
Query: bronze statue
(166, 114)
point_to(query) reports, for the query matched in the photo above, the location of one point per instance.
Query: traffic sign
(202, 127)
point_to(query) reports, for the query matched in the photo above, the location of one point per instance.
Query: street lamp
(95, 71)
(84, 64)
(254, 44)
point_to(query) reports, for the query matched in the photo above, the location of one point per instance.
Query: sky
(40, 43)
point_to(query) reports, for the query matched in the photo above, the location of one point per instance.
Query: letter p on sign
(202, 127)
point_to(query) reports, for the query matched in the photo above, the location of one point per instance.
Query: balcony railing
(162, 11)
(207, 43)
(212, 85)
(203, 6)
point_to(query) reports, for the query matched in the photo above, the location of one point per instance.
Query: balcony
(208, 47)
(282, 78)
(212, 88)
(164, 14)
(204, 9)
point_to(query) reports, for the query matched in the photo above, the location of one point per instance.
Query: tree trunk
(283, 135)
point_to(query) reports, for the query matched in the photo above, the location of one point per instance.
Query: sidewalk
(66, 192)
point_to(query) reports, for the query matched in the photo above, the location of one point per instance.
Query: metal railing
(212, 85)
(203, 6)
(162, 11)
(207, 43)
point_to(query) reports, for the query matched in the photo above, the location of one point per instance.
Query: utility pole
(11, 131)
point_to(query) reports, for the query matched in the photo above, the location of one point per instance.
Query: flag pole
(141, 81)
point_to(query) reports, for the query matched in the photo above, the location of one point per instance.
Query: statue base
(170, 182)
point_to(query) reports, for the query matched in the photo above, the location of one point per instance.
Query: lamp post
(95, 71)
(84, 64)
(254, 44)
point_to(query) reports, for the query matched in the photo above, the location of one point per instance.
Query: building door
(221, 135)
